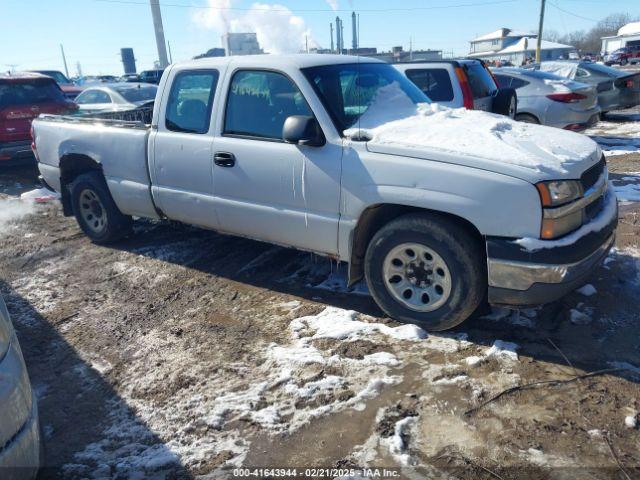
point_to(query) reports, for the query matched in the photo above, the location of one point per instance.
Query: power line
(571, 13)
(314, 10)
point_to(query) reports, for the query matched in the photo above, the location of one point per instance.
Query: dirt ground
(181, 353)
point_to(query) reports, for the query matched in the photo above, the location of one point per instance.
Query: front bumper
(524, 277)
(16, 153)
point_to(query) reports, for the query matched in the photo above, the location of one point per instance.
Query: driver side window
(190, 101)
(259, 102)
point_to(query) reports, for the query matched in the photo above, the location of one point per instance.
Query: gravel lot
(180, 353)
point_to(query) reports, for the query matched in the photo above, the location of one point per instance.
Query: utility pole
(78, 69)
(410, 49)
(539, 43)
(159, 30)
(64, 60)
(306, 43)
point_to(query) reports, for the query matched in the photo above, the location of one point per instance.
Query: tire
(95, 210)
(623, 62)
(526, 118)
(505, 102)
(462, 283)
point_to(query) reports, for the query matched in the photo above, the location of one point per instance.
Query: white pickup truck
(438, 208)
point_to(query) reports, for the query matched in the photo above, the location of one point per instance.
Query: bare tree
(590, 41)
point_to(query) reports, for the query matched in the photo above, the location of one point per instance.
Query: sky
(93, 31)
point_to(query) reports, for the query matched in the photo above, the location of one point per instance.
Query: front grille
(591, 176)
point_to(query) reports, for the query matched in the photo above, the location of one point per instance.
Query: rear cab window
(191, 101)
(434, 82)
(480, 80)
(30, 92)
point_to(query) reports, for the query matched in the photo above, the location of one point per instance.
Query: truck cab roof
(300, 60)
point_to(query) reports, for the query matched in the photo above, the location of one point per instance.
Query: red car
(24, 96)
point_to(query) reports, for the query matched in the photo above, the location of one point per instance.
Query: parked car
(24, 96)
(70, 89)
(130, 77)
(20, 442)
(551, 100)
(623, 56)
(461, 83)
(116, 96)
(151, 76)
(437, 208)
(616, 89)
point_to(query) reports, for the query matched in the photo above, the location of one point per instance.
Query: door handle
(224, 159)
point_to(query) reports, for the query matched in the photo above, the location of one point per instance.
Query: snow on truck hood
(477, 139)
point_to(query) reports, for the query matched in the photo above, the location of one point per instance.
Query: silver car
(115, 97)
(551, 100)
(19, 428)
(617, 89)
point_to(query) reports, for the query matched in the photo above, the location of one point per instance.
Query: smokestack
(331, 27)
(338, 35)
(354, 33)
(157, 26)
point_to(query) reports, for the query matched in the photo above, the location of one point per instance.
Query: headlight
(559, 192)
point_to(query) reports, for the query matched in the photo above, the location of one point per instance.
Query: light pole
(159, 30)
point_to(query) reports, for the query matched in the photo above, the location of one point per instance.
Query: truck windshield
(367, 94)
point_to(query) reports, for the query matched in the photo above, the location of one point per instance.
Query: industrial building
(212, 52)
(241, 44)
(128, 60)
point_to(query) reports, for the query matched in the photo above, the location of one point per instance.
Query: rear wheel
(426, 270)
(95, 210)
(526, 118)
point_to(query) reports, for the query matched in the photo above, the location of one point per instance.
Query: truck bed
(119, 147)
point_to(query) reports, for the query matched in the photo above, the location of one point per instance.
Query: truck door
(265, 188)
(180, 152)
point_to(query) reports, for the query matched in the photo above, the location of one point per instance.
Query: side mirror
(302, 130)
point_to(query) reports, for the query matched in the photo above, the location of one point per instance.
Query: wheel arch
(73, 165)
(374, 217)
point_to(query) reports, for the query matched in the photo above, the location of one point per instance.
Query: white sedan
(116, 97)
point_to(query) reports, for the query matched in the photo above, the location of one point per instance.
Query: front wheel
(426, 270)
(95, 210)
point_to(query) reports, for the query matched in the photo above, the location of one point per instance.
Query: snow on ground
(630, 421)
(587, 290)
(627, 192)
(40, 195)
(292, 389)
(12, 210)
